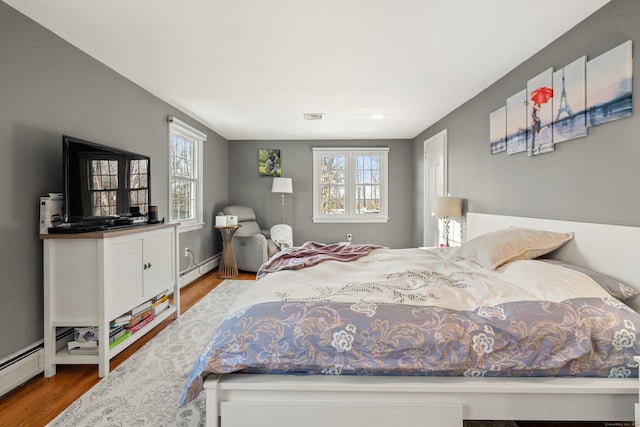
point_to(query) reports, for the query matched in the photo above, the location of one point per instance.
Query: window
(350, 184)
(185, 175)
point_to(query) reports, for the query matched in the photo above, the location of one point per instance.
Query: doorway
(435, 184)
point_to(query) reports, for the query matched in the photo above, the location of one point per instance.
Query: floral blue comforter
(586, 336)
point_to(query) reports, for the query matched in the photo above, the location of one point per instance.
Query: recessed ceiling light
(377, 116)
(313, 116)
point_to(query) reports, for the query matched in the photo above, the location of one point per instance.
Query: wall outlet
(186, 252)
(349, 237)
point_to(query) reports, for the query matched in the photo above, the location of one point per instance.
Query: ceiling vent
(313, 116)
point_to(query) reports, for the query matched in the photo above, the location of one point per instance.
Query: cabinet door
(123, 275)
(158, 262)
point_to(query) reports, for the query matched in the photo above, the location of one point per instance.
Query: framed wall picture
(269, 162)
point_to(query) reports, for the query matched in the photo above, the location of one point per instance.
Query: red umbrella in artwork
(541, 95)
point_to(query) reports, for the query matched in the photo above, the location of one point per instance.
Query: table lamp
(445, 208)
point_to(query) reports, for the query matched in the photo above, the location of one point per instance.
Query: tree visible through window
(368, 184)
(332, 187)
(183, 183)
(350, 184)
(185, 152)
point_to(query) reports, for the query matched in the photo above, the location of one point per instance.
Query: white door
(435, 183)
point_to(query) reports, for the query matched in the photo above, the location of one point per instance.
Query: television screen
(103, 182)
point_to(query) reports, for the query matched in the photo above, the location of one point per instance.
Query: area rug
(144, 390)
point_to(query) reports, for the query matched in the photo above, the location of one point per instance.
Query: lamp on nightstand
(282, 185)
(445, 208)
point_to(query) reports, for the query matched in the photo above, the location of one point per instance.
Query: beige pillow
(494, 249)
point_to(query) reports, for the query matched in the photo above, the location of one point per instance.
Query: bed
(461, 377)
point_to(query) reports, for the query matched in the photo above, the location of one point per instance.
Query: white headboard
(610, 249)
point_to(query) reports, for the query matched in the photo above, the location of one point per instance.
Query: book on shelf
(139, 317)
(160, 307)
(141, 308)
(115, 330)
(160, 296)
(83, 347)
(117, 335)
(135, 328)
(119, 339)
(122, 320)
(160, 301)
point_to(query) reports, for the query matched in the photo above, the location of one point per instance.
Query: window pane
(332, 170)
(332, 185)
(183, 199)
(367, 184)
(182, 157)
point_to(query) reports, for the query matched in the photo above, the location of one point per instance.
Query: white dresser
(92, 278)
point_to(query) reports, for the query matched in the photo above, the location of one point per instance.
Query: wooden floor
(40, 400)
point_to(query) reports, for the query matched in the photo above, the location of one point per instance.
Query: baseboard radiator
(194, 272)
(21, 366)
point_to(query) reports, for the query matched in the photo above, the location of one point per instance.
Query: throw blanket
(312, 253)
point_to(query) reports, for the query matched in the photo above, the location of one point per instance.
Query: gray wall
(247, 188)
(591, 179)
(49, 88)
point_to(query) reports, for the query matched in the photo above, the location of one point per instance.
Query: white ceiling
(249, 69)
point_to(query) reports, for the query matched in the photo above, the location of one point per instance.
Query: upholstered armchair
(251, 244)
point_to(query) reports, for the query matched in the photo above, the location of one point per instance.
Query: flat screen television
(102, 182)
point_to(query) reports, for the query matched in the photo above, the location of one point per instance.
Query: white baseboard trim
(199, 270)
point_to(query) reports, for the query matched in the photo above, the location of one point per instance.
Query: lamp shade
(447, 207)
(282, 185)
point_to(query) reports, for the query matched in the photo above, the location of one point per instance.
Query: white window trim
(349, 217)
(179, 127)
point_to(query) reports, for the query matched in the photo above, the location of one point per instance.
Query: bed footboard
(283, 400)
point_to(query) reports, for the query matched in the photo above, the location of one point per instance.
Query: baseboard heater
(192, 273)
(20, 367)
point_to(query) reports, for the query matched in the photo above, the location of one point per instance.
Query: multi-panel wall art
(560, 105)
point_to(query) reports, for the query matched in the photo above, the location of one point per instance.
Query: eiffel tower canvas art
(561, 105)
(569, 115)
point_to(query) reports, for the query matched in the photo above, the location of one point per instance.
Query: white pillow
(494, 249)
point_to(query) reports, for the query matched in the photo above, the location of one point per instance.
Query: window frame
(350, 215)
(187, 132)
